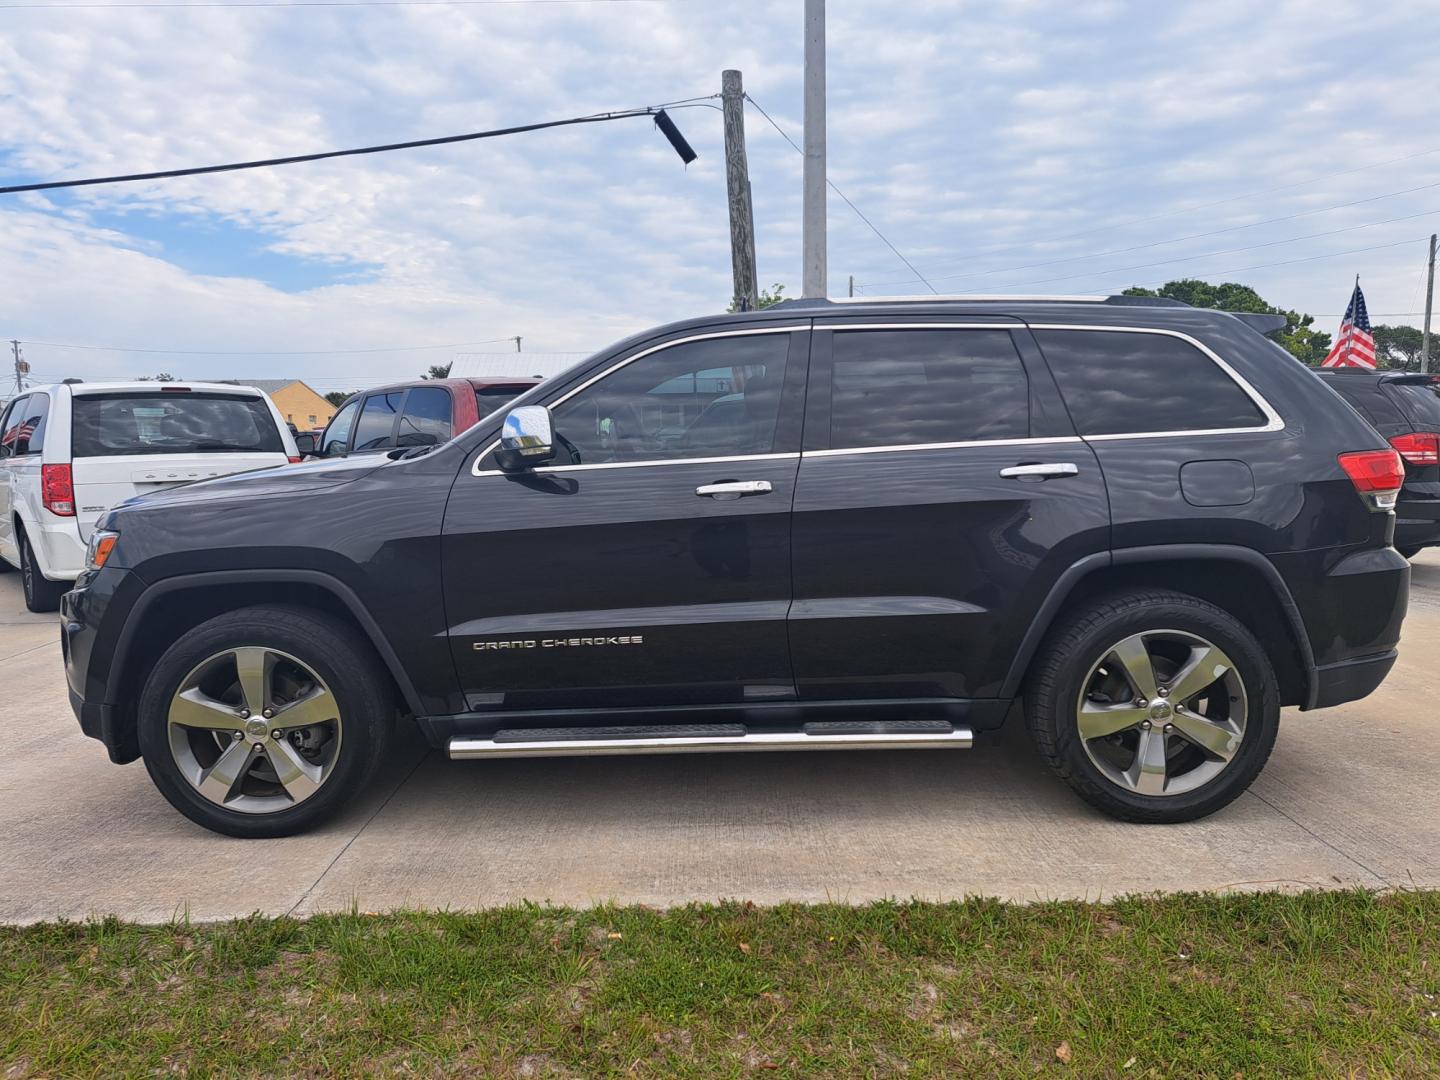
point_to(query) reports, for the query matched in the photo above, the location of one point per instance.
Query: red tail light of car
(1419, 448)
(1377, 476)
(57, 490)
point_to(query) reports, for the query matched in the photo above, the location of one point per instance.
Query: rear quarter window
(150, 422)
(1128, 383)
(1420, 402)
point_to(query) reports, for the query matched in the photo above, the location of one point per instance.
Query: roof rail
(822, 301)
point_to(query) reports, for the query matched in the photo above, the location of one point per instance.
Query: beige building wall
(302, 406)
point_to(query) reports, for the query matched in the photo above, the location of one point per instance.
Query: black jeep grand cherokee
(826, 525)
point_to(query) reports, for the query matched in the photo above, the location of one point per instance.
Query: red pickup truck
(420, 413)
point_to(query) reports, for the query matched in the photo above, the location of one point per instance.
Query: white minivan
(70, 451)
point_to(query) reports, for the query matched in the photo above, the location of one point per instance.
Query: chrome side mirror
(527, 438)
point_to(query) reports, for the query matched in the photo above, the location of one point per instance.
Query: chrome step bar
(465, 747)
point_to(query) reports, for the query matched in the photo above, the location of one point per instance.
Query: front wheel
(1154, 706)
(264, 721)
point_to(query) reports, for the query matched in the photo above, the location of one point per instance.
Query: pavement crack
(365, 825)
(1316, 836)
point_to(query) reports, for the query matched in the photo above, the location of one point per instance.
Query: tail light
(57, 490)
(1377, 476)
(1419, 448)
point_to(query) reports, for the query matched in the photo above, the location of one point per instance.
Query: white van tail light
(57, 490)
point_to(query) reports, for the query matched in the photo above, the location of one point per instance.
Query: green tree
(337, 397)
(439, 371)
(768, 297)
(1298, 336)
(164, 376)
(1399, 346)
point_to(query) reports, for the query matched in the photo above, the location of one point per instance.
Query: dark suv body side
(886, 571)
(1405, 409)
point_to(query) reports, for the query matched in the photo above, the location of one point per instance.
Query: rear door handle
(1040, 472)
(734, 489)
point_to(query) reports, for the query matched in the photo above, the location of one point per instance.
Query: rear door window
(913, 387)
(375, 429)
(1122, 383)
(158, 422)
(24, 431)
(426, 419)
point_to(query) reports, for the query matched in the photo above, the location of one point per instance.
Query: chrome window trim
(890, 449)
(788, 328)
(1273, 421)
(978, 298)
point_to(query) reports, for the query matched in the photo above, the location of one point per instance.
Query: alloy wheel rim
(1162, 712)
(254, 730)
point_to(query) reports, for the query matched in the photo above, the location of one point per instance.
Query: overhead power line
(832, 186)
(266, 352)
(657, 111)
(1189, 208)
(1172, 240)
(323, 4)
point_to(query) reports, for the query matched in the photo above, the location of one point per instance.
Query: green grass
(1341, 983)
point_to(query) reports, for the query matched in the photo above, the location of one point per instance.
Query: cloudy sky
(1027, 146)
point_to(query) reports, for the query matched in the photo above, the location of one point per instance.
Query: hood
(279, 480)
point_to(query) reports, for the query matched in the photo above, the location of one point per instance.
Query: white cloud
(978, 137)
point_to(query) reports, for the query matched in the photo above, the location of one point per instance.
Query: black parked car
(1405, 408)
(825, 525)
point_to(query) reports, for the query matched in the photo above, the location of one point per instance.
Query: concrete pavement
(1350, 797)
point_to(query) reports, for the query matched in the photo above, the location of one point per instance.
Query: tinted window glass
(153, 422)
(1419, 401)
(496, 398)
(1118, 383)
(336, 440)
(1365, 395)
(25, 426)
(426, 420)
(704, 399)
(376, 427)
(911, 387)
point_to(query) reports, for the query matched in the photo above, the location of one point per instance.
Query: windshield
(160, 422)
(1419, 402)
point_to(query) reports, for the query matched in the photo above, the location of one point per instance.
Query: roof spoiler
(1261, 323)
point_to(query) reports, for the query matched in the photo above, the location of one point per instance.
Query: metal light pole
(813, 259)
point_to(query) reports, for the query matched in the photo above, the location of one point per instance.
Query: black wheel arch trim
(1083, 568)
(329, 583)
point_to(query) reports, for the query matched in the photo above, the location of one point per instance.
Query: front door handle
(734, 489)
(1040, 472)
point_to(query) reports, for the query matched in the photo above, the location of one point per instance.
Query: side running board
(713, 738)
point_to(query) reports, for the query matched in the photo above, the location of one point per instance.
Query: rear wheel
(1154, 706)
(41, 594)
(264, 721)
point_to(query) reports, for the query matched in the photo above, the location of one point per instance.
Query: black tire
(1410, 552)
(1082, 638)
(341, 657)
(41, 594)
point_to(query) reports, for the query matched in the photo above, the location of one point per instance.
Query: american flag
(1355, 345)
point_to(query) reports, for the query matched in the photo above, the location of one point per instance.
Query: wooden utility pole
(517, 342)
(737, 184)
(1429, 306)
(814, 258)
(21, 367)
